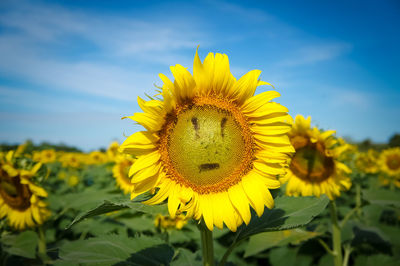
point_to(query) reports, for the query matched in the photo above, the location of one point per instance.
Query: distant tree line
(367, 144)
(364, 145)
(30, 146)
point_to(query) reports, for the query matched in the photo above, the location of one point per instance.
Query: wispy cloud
(314, 53)
(40, 39)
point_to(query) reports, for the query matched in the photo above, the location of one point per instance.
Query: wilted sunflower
(389, 162)
(120, 173)
(211, 147)
(314, 168)
(19, 196)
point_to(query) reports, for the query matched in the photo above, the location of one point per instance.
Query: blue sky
(69, 70)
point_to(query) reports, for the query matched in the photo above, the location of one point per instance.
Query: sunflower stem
(336, 235)
(42, 244)
(358, 199)
(207, 245)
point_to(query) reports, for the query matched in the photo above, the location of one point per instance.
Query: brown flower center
(14, 194)
(310, 162)
(393, 162)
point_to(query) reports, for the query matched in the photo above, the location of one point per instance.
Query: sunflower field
(220, 175)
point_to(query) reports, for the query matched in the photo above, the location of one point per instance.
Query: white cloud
(32, 49)
(314, 53)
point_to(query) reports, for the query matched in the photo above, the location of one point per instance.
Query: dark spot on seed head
(196, 126)
(208, 167)
(223, 123)
(195, 123)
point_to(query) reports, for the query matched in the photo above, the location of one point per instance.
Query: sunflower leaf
(382, 197)
(266, 240)
(108, 206)
(289, 213)
(116, 250)
(23, 244)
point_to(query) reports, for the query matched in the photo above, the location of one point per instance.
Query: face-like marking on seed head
(206, 145)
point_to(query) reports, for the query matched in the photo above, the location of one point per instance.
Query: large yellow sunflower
(120, 172)
(211, 147)
(389, 162)
(20, 198)
(314, 168)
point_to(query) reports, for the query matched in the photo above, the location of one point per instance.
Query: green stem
(42, 244)
(207, 245)
(325, 246)
(347, 217)
(347, 251)
(336, 235)
(358, 199)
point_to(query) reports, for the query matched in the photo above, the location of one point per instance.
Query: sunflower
(367, 161)
(97, 157)
(45, 156)
(112, 151)
(211, 147)
(20, 198)
(389, 162)
(120, 173)
(71, 159)
(314, 168)
(165, 223)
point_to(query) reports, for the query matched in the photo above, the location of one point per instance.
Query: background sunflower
(314, 168)
(20, 198)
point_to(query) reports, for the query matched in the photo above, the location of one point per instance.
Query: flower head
(314, 168)
(389, 164)
(211, 148)
(20, 197)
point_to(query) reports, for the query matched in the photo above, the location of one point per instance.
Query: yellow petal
(206, 206)
(184, 82)
(144, 161)
(254, 191)
(240, 202)
(255, 102)
(145, 173)
(246, 86)
(148, 121)
(268, 109)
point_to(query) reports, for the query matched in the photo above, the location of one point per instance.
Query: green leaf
(108, 206)
(283, 256)
(289, 212)
(372, 236)
(113, 249)
(185, 257)
(267, 240)
(374, 260)
(23, 244)
(382, 197)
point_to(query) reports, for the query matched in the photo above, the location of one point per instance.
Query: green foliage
(267, 240)
(108, 206)
(382, 197)
(289, 212)
(94, 223)
(23, 244)
(114, 249)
